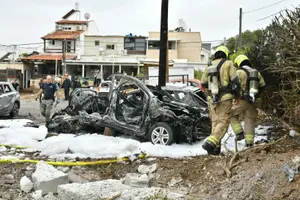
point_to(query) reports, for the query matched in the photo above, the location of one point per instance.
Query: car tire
(15, 110)
(161, 133)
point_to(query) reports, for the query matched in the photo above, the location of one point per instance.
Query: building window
(153, 45)
(110, 46)
(97, 43)
(156, 45)
(53, 42)
(172, 45)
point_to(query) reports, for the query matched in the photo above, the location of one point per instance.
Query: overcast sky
(26, 21)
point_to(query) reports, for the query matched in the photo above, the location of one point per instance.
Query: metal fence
(153, 80)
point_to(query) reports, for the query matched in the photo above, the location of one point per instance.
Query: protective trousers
(46, 107)
(249, 112)
(220, 117)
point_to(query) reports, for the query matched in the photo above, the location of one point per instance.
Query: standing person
(48, 90)
(16, 85)
(252, 85)
(221, 81)
(66, 85)
(41, 83)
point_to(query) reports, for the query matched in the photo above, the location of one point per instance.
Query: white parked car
(105, 86)
(9, 100)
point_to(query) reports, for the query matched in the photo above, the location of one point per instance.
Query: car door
(6, 99)
(128, 107)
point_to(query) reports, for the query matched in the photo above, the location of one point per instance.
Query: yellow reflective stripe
(249, 138)
(213, 139)
(237, 128)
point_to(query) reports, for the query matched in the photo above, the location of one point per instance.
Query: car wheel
(15, 110)
(161, 133)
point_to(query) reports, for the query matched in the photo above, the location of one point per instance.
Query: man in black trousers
(66, 85)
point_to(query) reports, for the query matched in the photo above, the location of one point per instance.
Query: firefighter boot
(217, 150)
(209, 147)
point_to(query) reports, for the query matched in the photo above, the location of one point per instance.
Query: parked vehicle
(191, 82)
(195, 83)
(105, 86)
(133, 108)
(9, 100)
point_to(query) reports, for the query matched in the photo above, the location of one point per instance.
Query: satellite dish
(87, 16)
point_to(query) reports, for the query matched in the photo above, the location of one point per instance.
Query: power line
(264, 7)
(269, 16)
(107, 42)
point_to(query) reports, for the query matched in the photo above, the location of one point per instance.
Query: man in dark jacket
(66, 85)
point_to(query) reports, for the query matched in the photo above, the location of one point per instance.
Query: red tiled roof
(57, 35)
(48, 57)
(64, 21)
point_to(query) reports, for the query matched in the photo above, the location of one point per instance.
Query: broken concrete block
(74, 178)
(100, 190)
(147, 169)
(37, 195)
(26, 184)
(50, 196)
(47, 178)
(150, 193)
(63, 169)
(136, 180)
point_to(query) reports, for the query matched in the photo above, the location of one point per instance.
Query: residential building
(182, 45)
(65, 42)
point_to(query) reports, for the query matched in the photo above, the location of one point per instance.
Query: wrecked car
(132, 108)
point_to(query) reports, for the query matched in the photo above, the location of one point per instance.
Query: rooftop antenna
(77, 10)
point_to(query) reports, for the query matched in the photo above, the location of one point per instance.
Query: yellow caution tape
(13, 146)
(69, 164)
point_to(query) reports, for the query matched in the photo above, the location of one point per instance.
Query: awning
(44, 57)
(59, 35)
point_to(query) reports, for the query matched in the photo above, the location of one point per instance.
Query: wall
(92, 28)
(154, 54)
(175, 70)
(189, 45)
(57, 47)
(93, 50)
(205, 55)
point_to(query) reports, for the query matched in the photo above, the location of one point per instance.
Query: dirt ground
(261, 177)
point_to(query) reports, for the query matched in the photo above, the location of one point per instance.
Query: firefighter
(221, 83)
(252, 85)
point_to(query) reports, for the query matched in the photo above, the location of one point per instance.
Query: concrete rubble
(47, 178)
(37, 195)
(137, 180)
(92, 191)
(74, 178)
(147, 169)
(112, 189)
(26, 184)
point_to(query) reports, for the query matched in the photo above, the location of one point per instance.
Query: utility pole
(240, 29)
(64, 56)
(163, 53)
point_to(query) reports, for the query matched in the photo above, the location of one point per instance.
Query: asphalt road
(30, 109)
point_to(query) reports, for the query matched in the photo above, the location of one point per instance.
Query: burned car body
(138, 110)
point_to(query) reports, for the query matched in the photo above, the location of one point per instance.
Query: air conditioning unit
(79, 28)
(58, 27)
